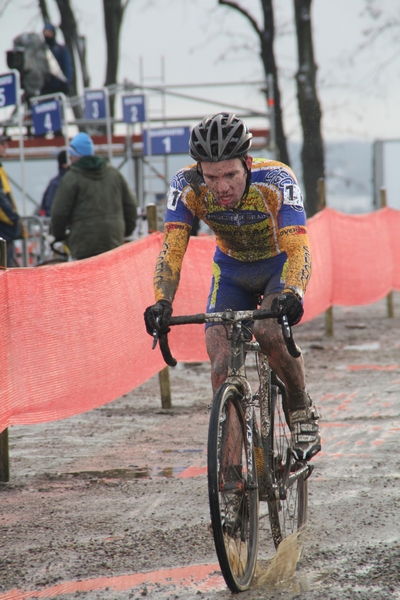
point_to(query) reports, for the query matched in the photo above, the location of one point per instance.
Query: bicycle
(249, 457)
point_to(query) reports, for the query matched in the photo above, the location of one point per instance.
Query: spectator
(93, 202)
(59, 79)
(10, 224)
(48, 196)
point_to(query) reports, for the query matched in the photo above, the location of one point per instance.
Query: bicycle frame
(261, 445)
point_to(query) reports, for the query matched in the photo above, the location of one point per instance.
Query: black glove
(158, 316)
(288, 304)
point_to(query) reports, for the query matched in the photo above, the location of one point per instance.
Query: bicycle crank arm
(303, 472)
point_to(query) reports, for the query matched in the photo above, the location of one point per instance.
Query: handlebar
(226, 317)
(59, 252)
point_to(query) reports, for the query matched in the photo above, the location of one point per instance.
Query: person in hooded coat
(93, 209)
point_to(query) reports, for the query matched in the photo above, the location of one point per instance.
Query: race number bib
(173, 198)
(293, 196)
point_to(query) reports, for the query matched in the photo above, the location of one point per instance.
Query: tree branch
(44, 10)
(4, 6)
(124, 6)
(245, 13)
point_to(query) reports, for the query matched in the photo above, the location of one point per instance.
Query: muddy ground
(100, 505)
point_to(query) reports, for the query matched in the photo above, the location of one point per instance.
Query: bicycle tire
(233, 493)
(288, 513)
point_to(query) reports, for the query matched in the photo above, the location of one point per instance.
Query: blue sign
(8, 89)
(133, 110)
(95, 105)
(47, 116)
(168, 140)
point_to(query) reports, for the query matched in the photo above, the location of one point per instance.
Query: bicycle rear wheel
(232, 487)
(290, 510)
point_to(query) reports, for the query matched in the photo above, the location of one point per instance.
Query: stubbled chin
(227, 204)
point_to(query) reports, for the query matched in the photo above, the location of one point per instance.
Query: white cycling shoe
(306, 438)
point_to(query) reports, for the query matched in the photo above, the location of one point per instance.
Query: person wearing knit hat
(81, 145)
(93, 209)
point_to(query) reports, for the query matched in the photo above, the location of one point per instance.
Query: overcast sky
(204, 43)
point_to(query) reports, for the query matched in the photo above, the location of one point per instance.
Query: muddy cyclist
(254, 207)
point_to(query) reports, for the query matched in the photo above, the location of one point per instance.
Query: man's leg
(303, 415)
(217, 346)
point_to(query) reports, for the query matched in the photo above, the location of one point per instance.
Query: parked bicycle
(249, 455)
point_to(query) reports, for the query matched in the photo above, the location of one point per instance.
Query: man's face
(226, 180)
(3, 149)
(48, 34)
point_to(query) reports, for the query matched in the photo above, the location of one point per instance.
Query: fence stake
(389, 297)
(163, 376)
(4, 454)
(321, 188)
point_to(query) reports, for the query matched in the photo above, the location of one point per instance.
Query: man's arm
(129, 207)
(61, 211)
(47, 199)
(294, 241)
(292, 231)
(169, 263)
(68, 66)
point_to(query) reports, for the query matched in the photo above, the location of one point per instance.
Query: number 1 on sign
(167, 144)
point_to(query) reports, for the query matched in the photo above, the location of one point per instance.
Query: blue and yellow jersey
(269, 220)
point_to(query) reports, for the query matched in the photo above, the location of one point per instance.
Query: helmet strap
(248, 177)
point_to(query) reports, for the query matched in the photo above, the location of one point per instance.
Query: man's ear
(249, 161)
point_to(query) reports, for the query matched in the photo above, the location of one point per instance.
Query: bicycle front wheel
(232, 487)
(290, 511)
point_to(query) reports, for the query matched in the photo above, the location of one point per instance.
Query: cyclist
(255, 209)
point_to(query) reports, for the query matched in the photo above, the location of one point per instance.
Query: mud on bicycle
(249, 454)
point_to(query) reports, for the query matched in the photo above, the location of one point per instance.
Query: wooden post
(4, 453)
(321, 188)
(389, 297)
(163, 376)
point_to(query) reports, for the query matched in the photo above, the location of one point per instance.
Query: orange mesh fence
(354, 259)
(73, 336)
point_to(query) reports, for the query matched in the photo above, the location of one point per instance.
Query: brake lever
(156, 333)
(286, 330)
(155, 339)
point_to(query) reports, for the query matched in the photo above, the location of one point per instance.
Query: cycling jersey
(268, 221)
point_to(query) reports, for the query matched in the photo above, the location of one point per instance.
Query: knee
(219, 366)
(269, 336)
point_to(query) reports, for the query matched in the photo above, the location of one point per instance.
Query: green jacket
(94, 203)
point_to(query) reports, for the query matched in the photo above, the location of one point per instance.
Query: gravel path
(121, 490)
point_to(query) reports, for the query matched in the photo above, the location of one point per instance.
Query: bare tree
(113, 17)
(265, 36)
(312, 154)
(44, 11)
(73, 40)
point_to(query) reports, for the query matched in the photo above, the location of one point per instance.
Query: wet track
(112, 504)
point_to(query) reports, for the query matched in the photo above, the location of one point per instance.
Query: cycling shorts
(238, 285)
